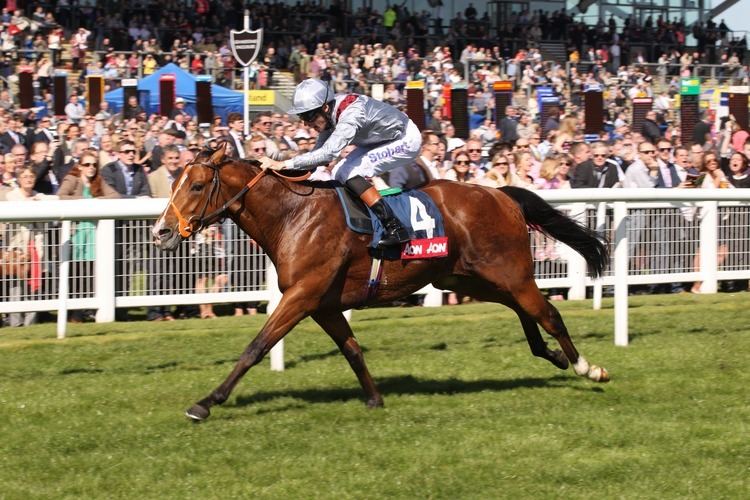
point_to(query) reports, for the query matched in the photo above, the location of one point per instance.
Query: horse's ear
(218, 156)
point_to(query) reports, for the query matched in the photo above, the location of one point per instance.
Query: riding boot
(394, 232)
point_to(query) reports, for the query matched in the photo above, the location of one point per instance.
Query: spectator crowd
(134, 153)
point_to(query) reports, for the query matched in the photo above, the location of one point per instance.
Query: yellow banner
(261, 97)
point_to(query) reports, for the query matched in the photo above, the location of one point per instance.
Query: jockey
(385, 138)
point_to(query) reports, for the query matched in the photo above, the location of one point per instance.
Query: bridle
(185, 226)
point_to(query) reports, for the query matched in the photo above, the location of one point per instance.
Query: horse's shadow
(410, 385)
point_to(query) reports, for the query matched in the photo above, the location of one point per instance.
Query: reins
(185, 226)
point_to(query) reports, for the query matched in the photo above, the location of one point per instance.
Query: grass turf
(469, 412)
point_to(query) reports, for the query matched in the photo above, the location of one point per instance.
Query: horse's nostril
(165, 233)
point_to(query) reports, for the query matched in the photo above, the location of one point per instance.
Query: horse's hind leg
(537, 307)
(537, 344)
(336, 326)
(487, 291)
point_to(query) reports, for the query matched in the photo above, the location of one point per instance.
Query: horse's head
(196, 199)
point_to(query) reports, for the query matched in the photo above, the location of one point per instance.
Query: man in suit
(650, 129)
(598, 172)
(63, 159)
(236, 135)
(667, 176)
(45, 132)
(702, 130)
(40, 158)
(129, 179)
(124, 175)
(15, 134)
(436, 121)
(132, 109)
(160, 180)
(478, 164)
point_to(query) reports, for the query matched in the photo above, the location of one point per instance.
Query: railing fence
(75, 260)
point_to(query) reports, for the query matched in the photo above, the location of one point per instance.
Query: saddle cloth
(415, 209)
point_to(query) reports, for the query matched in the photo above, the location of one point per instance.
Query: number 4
(420, 219)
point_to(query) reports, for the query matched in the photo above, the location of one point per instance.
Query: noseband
(185, 226)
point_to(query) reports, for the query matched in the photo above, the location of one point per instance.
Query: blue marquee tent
(223, 99)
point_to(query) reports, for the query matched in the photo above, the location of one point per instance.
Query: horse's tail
(541, 216)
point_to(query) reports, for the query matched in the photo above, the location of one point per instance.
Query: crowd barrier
(98, 254)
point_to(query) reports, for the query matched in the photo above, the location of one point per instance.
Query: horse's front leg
(295, 305)
(336, 326)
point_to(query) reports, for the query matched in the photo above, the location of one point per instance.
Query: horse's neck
(274, 208)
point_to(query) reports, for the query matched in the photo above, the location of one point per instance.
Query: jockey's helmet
(310, 95)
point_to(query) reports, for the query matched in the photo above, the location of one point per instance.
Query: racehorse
(323, 267)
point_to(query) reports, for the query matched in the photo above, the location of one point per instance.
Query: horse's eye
(196, 187)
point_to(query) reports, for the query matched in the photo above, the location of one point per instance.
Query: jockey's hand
(266, 163)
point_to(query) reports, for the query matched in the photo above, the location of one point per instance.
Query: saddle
(414, 209)
(355, 211)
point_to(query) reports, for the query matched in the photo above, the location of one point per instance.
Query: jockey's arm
(340, 138)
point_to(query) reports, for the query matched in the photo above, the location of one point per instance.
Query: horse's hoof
(598, 374)
(375, 402)
(197, 413)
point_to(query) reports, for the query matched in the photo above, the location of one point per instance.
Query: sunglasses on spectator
(627, 145)
(461, 162)
(525, 146)
(497, 164)
(475, 150)
(565, 163)
(649, 151)
(258, 150)
(665, 149)
(127, 151)
(600, 156)
(89, 164)
(265, 123)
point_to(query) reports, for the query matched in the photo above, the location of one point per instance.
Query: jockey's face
(319, 120)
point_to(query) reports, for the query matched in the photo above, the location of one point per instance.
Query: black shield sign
(246, 45)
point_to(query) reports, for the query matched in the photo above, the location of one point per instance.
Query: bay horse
(323, 267)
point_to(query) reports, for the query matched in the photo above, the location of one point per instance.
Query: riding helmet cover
(309, 95)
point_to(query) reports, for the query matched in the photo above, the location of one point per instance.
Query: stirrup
(394, 236)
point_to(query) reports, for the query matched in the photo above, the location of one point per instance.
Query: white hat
(178, 100)
(455, 143)
(310, 94)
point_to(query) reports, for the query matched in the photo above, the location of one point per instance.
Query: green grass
(469, 412)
